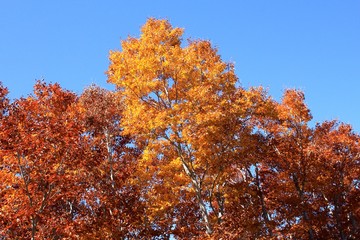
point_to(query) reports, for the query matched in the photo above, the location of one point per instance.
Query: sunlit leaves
(182, 105)
(178, 150)
(39, 152)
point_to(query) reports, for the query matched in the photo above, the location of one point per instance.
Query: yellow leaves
(148, 156)
(160, 32)
(172, 168)
(175, 164)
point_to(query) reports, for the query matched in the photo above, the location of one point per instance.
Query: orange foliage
(178, 150)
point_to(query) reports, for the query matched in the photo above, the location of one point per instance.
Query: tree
(309, 176)
(110, 197)
(40, 155)
(183, 107)
(336, 184)
(287, 170)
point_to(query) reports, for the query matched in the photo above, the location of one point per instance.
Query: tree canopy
(180, 150)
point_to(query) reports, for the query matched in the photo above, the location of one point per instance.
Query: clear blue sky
(313, 45)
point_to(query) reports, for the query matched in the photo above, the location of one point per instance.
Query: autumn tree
(286, 170)
(299, 164)
(109, 197)
(40, 155)
(336, 193)
(183, 106)
(66, 169)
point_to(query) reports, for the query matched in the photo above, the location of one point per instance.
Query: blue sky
(310, 45)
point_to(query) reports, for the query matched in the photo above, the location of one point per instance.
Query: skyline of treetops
(179, 150)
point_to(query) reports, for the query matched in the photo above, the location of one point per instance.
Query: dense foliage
(178, 150)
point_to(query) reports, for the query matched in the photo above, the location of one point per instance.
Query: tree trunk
(264, 212)
(33, 227)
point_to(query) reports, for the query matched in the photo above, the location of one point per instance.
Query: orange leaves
(178, 150)
(180, 105)
(37, 153)
(4, 101)
(160, 33)
(293, 107)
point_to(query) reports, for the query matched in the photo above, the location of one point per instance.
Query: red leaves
(38, 153)
(178, 150)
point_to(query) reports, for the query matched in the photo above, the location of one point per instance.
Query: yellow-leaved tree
(193, 123)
